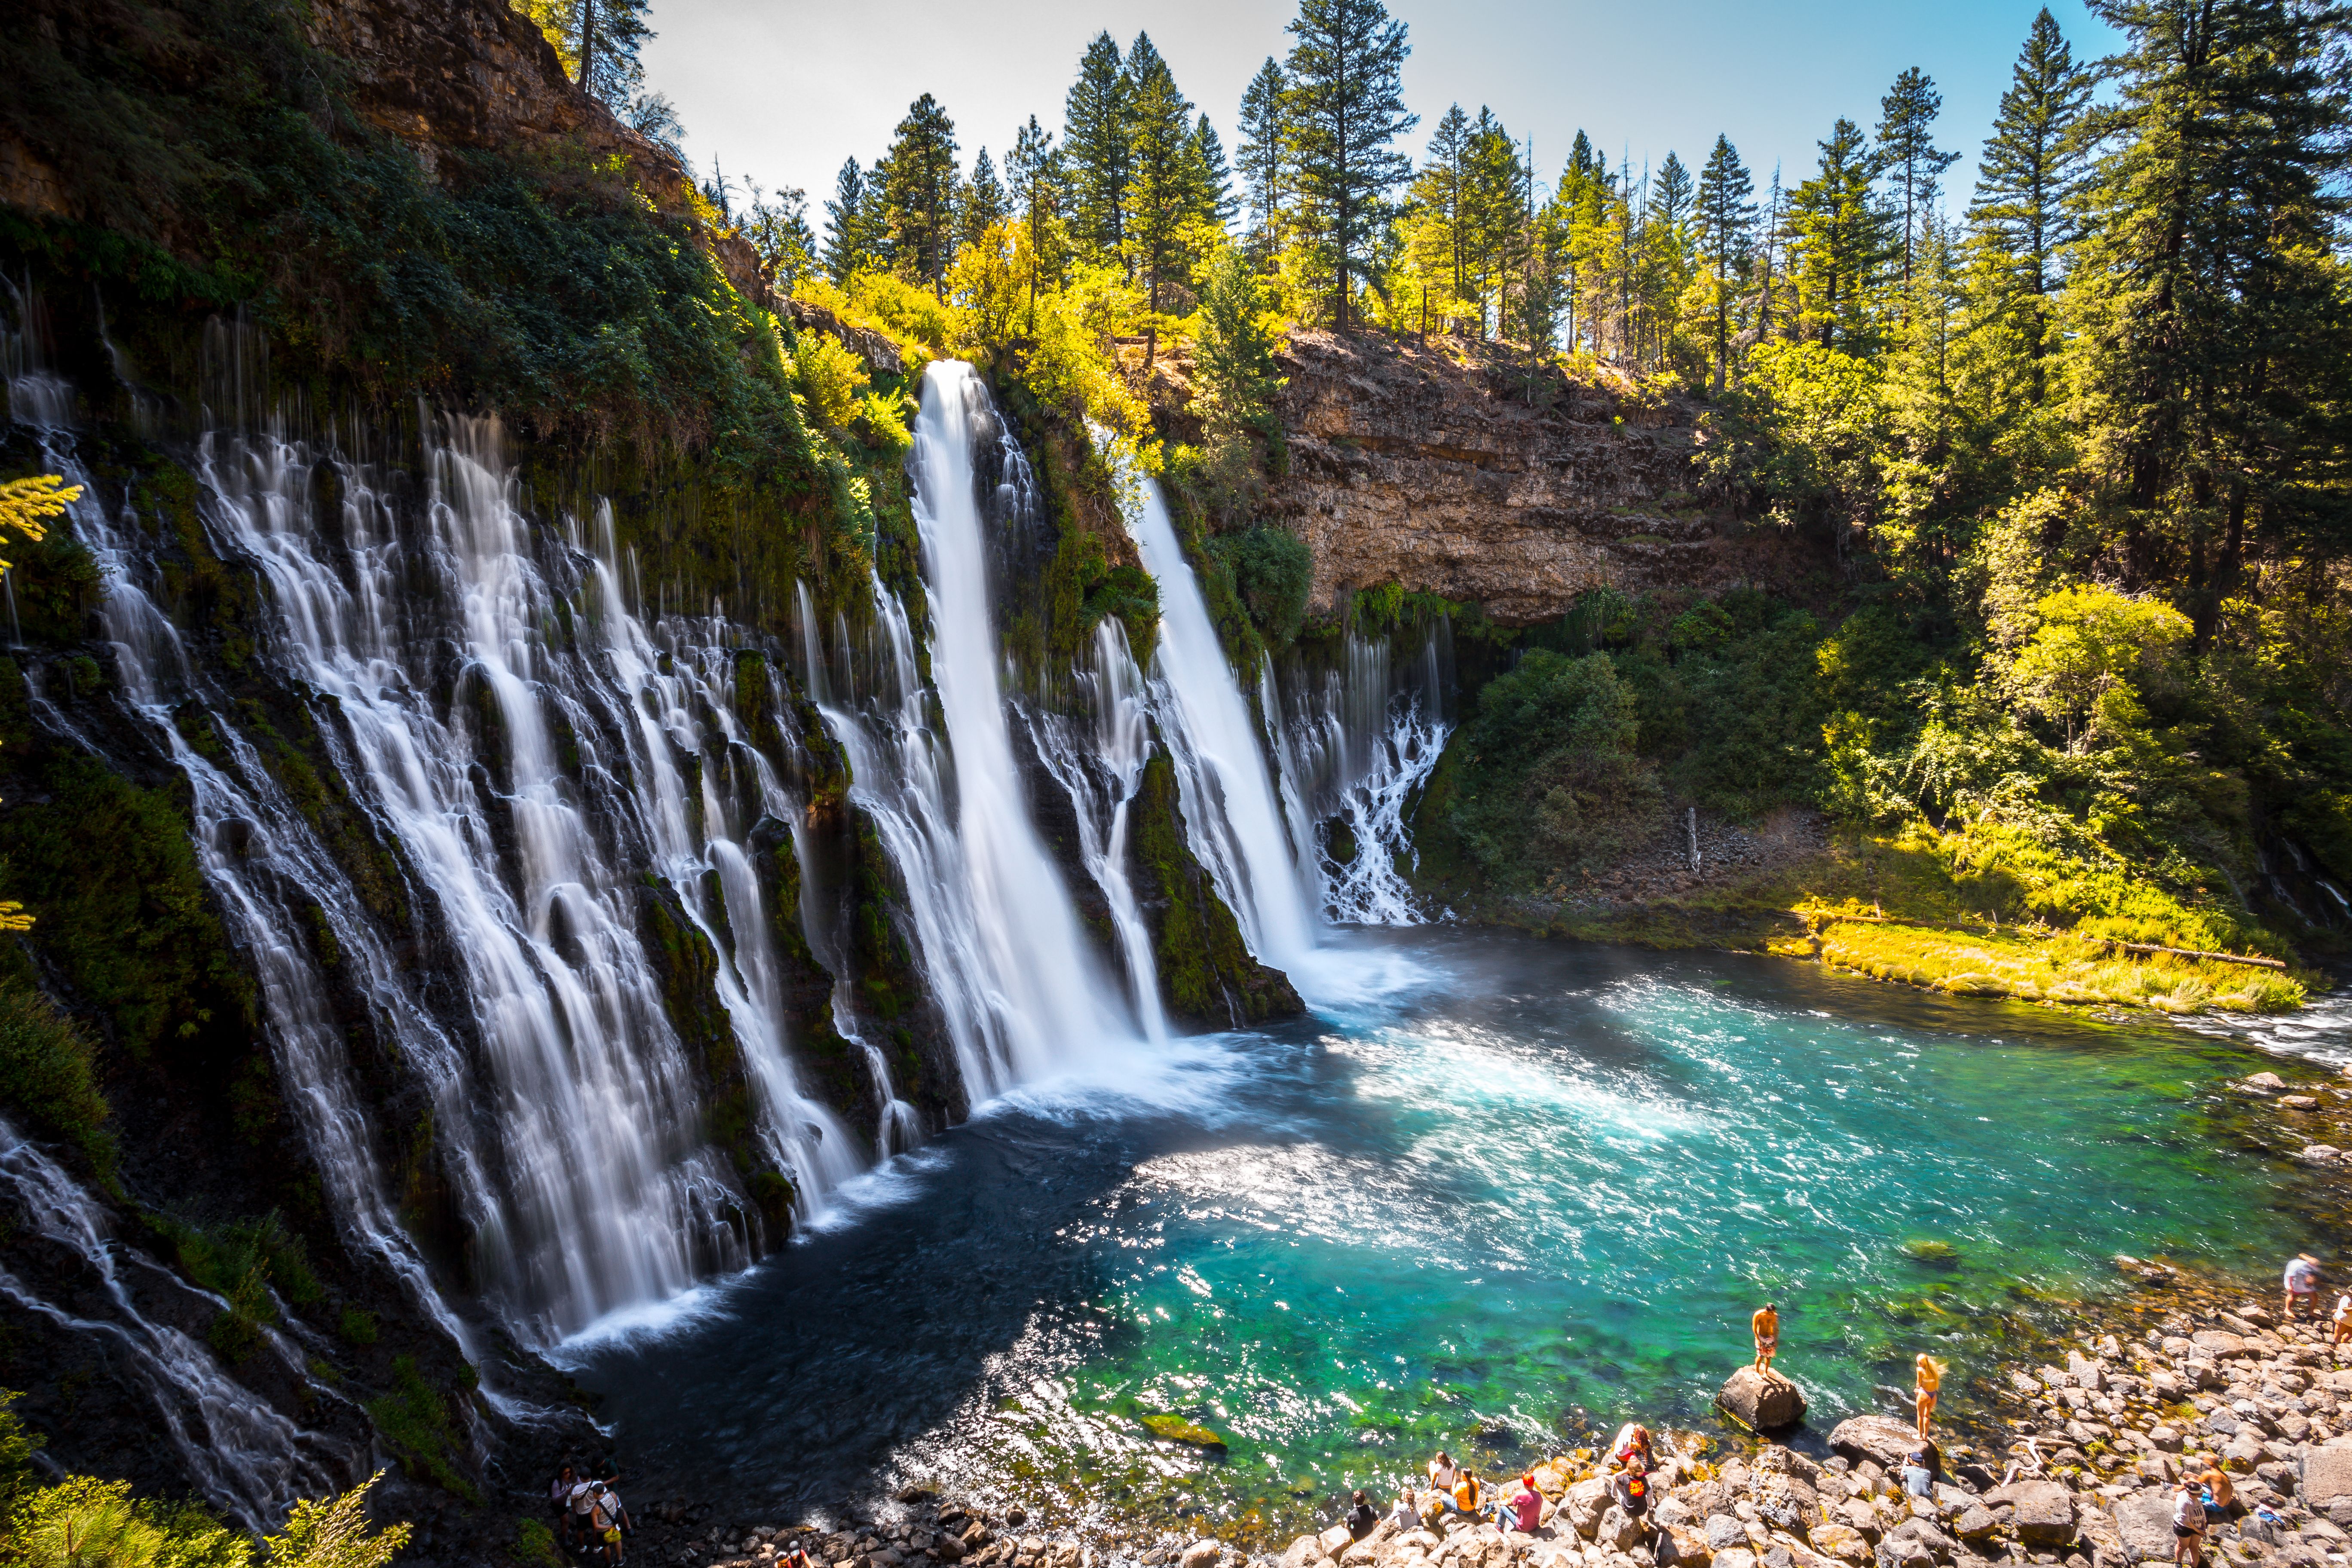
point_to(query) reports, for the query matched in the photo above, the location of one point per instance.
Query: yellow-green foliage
(82, 1521)
(2038, 967)
(829, 378)
(2093, 652)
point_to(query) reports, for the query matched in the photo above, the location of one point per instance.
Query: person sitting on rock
(1443, 1475)
(1468, 1495)
(2302, 1280)
(1362, 1519)
(2187, 1522)
(1406, 1515)
(2221, 1498)
(1930, 1373)
(1766, 1326)
(2342, 1324)
(1919, 1472)
(1527, 1507)
(1632, 1450)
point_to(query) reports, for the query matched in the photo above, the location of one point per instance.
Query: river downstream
(1516, 1187)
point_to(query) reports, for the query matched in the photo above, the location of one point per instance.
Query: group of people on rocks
(590, 1521)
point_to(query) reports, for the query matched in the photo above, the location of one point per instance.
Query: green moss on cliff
(1205, 967)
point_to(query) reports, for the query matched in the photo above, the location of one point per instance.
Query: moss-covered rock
(1207, 975)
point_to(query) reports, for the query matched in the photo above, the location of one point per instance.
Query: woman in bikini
(1931, 1379)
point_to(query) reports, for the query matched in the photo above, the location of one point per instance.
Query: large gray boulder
(2045, 1511)
(1621, 1532)
(2143, 1519)
(2326, 1476)
(1761, 1404)
(1582, 1506)
(1879, 1438)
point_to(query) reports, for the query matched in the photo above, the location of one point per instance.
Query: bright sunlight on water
(1537, 1186)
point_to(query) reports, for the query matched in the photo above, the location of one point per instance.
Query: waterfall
(1100, 765)
(1353, 748)
(1224, 784)
(247, 1458)
(1004, 955)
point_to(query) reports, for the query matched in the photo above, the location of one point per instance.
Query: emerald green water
(1526, 1187)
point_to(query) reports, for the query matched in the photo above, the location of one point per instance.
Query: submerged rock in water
(1176, 1429)
(1762, 1403)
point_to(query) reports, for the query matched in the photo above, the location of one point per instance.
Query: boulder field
(2092, 1448)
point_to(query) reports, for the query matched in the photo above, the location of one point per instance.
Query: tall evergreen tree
(983, 199)
(778, 228)
(1726, 237)
(1490, 215)
(919, 193)
(1908, 152)
(1164, 183)
(612, 35)
(1263, 160)
(1345, 105)
(1839, 242)
(2207, 303)
(1439, 188)
(1095, 147)
(1034, 170)
(1217, 201)
(855, 232)
(2027, 175)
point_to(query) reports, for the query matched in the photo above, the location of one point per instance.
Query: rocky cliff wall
(1427, 467)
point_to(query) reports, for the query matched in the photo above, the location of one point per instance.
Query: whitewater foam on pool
(1545, 1185)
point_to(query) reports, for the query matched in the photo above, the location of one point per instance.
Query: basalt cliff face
(1431, 467)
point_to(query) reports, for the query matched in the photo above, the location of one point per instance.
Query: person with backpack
(583, 1500)
(608, 1520)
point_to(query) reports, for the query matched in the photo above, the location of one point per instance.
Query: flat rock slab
(2326, 1476)
(2144, 1521)
(1879, 1438)
(1762, 1403)
(2045, 1511)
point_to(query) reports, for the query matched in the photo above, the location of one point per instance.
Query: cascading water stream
(1354, 747)
(1225, 785)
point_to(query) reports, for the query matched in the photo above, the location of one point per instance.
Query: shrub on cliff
(49, 1075)
(1272, 569)
(1550, 781)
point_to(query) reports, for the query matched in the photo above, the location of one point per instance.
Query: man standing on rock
(2302, 1280)
(1766, 1326)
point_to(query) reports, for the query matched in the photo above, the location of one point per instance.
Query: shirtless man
(1766, 1326)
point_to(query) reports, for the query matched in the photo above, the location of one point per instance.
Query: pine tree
(854, 236)
(612, 35)
(778, 229)
(1036, 171)
(1840, 243)
(2208, 334)
(1263, 161)
(1344, 106)
(1489, 215)
(983, 200)
(2027, 175)
(918, 180)
(1215, 199)
(1439, 189)
(1164, 183)
(1906, 152)
(1095, 147)
(1726, 237)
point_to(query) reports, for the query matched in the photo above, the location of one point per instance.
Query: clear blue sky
(783, 93)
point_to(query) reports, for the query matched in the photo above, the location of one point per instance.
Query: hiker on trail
(608, 1519)
(1931, 1381)
(1361, 1518)
(2187, 1522)
(1406, 1515)
(2302, 1280)
(1766, 1326)
(583, 1503)
(559, 1501)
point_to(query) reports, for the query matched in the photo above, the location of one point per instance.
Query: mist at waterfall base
(1547, 1184)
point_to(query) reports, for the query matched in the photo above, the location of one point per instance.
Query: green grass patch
(414, 1419)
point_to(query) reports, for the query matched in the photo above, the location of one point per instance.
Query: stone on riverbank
(2326, 1477)
(2045, 1511)
(1879, 1438)
(1762, 1403)
(2144, 1523)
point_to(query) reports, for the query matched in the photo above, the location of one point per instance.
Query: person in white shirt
(2343, 1323)
(2302, 1280)
(1406, 1515)
(2187, 1521)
